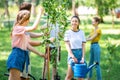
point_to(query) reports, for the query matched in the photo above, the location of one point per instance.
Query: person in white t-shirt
(75, 45)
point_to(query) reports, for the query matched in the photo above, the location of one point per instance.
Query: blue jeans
(95, 57)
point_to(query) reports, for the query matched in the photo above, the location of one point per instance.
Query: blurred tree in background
(103, 6)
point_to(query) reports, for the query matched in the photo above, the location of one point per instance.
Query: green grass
(37, 62)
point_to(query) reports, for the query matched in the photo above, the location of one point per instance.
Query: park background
(107, 10)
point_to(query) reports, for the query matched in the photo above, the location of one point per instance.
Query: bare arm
(35, 43)
(35, 35)
(44, 26)
(35, 51)
(67, 44)
(83, 52)
(52, 39)
(35, 25)
(92, 37)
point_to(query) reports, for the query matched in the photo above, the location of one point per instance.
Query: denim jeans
(95, 57)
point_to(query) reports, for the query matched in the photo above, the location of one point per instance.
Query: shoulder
(98, 30)
(81, 31)
(19, 28)
(67, 33)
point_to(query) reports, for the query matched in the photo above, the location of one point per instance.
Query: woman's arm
(52, 39)
(92, 37)
(35, 43)
(83, 52)
(67, 44)
(35, 51)
(35, 35)
(35, 25)
(44, 26)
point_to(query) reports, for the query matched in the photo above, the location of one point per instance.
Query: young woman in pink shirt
(20, 44)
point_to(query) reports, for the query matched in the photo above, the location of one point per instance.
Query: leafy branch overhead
(56, 10)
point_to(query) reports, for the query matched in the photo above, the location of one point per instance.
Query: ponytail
(22, 16)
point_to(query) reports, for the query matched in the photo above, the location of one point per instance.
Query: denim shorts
(17, 59)
(78, 54)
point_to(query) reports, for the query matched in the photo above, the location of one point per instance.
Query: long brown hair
(25, 6)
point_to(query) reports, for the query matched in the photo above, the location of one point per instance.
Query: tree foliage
(56, 10)
(103, 6)
(56, 13)
(2, 3)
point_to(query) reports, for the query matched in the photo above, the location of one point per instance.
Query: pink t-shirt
(19, 38)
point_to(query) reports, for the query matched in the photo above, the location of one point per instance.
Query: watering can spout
(91, 66)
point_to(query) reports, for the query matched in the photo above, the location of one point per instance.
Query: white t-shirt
(75, 38)
(54, 33)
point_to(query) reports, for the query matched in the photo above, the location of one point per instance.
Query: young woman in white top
(75, 45)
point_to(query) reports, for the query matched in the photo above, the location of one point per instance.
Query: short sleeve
(66, 36)
(99, 31)
(18, 30)
(83, 37)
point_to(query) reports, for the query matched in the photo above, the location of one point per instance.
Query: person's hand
(44, 56)
(75, 59)
(42, 41)
(46, 33)
(47, 41)
(82, 60)
(52, 39)
(42, 34)
(41, 9)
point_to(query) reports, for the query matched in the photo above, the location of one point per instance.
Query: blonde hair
(22, 16)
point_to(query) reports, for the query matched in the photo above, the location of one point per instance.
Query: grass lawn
(110, 63)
